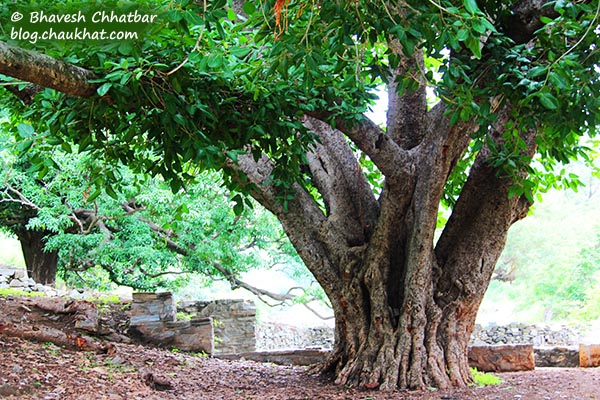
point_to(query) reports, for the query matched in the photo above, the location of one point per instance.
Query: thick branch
(480, 221)
(27, 94)
(349, 199)
(406, 113)
(303, 221)
(525, 19)
(373, 141)
(45, 71)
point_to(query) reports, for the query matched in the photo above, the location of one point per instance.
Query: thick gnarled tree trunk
(405, 306)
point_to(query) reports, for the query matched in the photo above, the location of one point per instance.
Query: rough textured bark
(45, 71)
(41, 265)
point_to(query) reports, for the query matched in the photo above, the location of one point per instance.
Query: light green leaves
(471, 7)
(104, 88)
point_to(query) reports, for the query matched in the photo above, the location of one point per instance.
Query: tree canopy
(274, 93)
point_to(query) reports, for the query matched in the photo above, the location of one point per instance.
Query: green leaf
(103, 89)
(471, 6)
(125, 48)
(249, 7)
(215, 61)
(25, 145)
(231, 15)
(233, 155)
(474, 45)
(549, 101)
(111, 192)
(179, 119)
(193, 19)
(94, 195)
(174, 15)
(25, 130)
(462, 35)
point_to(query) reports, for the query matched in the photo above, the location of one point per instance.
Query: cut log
(45, 334)
(589, 355)
(502, 358)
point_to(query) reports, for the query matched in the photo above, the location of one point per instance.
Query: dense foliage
(208, 83)
(142, 235)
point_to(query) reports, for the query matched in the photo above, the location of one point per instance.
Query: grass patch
(484, 379)
(6, 292)
(106, 300)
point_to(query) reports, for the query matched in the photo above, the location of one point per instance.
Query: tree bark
(41, 264)
(45, 71)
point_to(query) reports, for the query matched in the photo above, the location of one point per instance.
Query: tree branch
(303, 221)
(20, 198)
(386, 154)
(285, 298)
(46, 71)
(480, 219)
(27, 94)
(406, 113)
(351, 205)
(525, 19)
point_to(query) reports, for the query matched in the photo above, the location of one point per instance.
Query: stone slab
(292, 357)
(502, 358)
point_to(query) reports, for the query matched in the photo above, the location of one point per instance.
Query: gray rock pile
(14, 278)
(537, 335)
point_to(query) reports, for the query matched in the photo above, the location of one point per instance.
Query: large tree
(275, 98)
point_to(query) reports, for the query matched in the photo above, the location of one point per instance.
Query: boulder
(562, 356)
(589, 355)
(503, 358)
(284, 357)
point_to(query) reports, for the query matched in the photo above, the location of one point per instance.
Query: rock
(589, 355)
(565, 356)
(505, 358)
(9, 390)
(75, 294)
(17, 284)
(292, 357)
(7, 272)
(16, 369)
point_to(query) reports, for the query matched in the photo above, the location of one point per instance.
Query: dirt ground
(32, 370)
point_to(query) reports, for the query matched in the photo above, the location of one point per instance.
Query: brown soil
(30, 370)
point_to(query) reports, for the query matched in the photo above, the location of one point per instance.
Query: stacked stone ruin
(153, 319)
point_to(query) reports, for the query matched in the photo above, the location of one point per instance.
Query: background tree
(277, 103)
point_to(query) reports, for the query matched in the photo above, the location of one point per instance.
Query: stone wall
(153, 320)
(273, 336)
(234, 323)
(537, 335)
